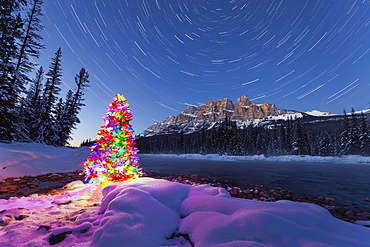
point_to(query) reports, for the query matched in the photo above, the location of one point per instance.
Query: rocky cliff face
(195, 118)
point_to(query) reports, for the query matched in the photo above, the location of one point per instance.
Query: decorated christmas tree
(113, 155)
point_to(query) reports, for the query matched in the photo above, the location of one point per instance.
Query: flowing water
(346, 183)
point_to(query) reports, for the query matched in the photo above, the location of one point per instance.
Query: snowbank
(347, 159)
(149, 212)
(155, 212)
(33, 159)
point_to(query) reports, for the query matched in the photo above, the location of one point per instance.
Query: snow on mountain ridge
(318, 113)
(195, 118)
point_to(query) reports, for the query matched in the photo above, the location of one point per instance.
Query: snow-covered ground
(155, 212)
(20, 159)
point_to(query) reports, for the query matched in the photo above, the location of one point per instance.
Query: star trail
(166, 55)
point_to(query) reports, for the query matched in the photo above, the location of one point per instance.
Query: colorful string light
(113, 155)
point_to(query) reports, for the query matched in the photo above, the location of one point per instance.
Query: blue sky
(165, 55)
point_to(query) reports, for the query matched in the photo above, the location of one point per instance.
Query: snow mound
(20, 159)
(151, 212)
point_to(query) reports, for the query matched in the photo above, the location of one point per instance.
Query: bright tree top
(113, 156)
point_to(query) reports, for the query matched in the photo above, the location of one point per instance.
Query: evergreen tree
(300, 139)
(344, 136)
(113, 156)
(63, 119)
(180, 147)
(325, 148)
(72, 107)
(354, 135)
(289, 136)
(53, 76)
(203, 142)
(60, 108)
(364, 137)
(34, 100)
(10, 30)
(87, 143)
(30, 42)
(35, 91)
(282, 140)
(47, 131)
(82, 82)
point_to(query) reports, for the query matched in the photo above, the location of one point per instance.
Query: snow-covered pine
(63, 121)
(35, 91)
(60, 120)
(34, 100)
(11, 23)
(354, 134)
(344, 136)
(53, 80)
(47, 131)
(364, 136)
(29, 42)
(300, 140)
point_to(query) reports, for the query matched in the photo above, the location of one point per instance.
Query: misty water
(346, 183)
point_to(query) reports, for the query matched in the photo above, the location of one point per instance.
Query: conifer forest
(31, 106)
(289, 137)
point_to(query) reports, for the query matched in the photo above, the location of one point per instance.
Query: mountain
(206, 116)
(244, 113)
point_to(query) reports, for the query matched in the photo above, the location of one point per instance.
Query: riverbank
(53, 183)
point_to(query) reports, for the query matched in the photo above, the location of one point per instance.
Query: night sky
(165, 54)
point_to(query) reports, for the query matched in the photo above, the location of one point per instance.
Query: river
(346, 183)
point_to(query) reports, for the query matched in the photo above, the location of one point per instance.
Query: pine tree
(47, 131)
(72, 107)
(113, 156)
(10, 30)
(63, 120)
(289, 136)
(364, 137)
(300, 140)
(325, 148)
(60, 122)
(29, 42)
(52, 89)
(344, 136)
(34, 100)
(354, 135)
(35, 91)
(82, 82)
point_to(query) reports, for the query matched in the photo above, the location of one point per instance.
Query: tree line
(284, 138)
(30, 108)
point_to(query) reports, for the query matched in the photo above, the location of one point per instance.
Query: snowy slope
(20, 159)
